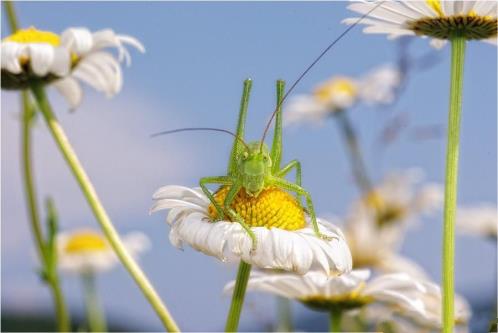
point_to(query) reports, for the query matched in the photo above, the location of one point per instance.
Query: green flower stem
(94, 314)
(284, 315)
(335, 321)
(238, 295)
(450, 197)
(61, 313)
(351, 139)
(51, 277)
(98, 210)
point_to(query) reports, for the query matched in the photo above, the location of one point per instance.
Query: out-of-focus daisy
(65, 60)
(430, 318)
(440, 20)
(345, 292)
(398, 199)
(284, 238)
(87, 251)
(376, 248)
(342, 92)
(478, 220)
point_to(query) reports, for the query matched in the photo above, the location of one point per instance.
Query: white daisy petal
(41, 58)
(71, 90)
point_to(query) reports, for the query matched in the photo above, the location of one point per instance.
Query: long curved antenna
(188, 129)
(317, 59)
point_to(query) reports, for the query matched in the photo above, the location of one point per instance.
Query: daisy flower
(77, 55)
(346, 292)
(479, 220)
(342, 92)
(430, 318)
(86, 251)
(376, 248)
(398, 199)
(439, 20)
(285, 240)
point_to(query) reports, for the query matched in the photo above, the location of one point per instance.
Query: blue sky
(197, 57)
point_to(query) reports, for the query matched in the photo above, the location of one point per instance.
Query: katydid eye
(245, 155)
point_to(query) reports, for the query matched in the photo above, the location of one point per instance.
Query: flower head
(341, 92)
(347, 291)
(85, 250)
(478, 220)
(284, 238)
(440, 20)
(64, 60)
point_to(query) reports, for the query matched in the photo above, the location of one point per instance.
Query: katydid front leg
(234, 216)
(286, 185)
(221, 180)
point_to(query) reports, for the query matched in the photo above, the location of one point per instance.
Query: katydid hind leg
(276, 147)
(286, 185)
(241, 121)
(294, 164)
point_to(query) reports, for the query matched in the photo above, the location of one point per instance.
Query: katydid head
(254, 165)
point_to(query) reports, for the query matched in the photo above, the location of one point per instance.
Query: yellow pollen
(436, 5)
(272, 208)
(336, 86)
(85, 241)
(33, 35)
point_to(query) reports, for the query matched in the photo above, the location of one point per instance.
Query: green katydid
(253, 167)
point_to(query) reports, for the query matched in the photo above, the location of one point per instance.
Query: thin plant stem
(335, 321)
(98, 210)
(451, 186)
(94, 313)
(238, 295)
(61, 312)
(357, 163)
(284, 314)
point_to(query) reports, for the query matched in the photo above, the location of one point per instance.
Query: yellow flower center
(469, 26)
(386, 212)
(272, 208)
(347, 301)
(86, 241)
(33, 35)
(341, 86)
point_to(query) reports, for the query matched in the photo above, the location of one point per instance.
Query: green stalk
(238, 295)
(335, 321)
(351, 139)
(94, 313)
(98, 210)
(61, 313)
(284, 315)
(450, 197)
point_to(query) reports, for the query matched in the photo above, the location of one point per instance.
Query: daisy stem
(95, 316)
(284, 315)
(351, 139)
(238, 295)
(61, 313)
(335, 320)
(98, 210)
(450, 197)
(50, 274)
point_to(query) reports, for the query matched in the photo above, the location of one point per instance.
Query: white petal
(78, 40)
(41, 58)
(71, 90)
